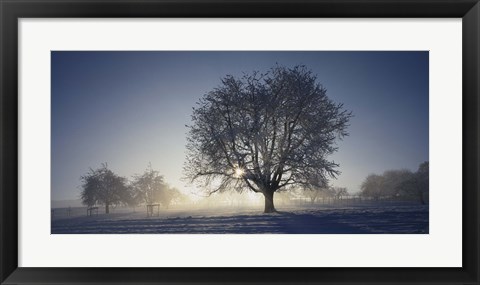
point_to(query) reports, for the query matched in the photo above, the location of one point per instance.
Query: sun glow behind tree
(275, 130)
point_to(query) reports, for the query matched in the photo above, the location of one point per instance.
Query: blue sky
(130, 108)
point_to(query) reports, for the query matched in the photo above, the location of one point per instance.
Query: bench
(91, 210)
(150, 209)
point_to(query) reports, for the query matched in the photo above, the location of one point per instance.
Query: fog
(242, 214)
(231, 202)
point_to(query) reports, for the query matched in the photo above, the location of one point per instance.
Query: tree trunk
(107, 210)
(269, 207)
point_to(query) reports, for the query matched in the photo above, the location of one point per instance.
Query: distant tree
(416, 186)
(168, 195)
(373, 186)
(315, 193)
(393, 180)
(148, 186)
(133, 199)
(88, 195)
(285, 197)
(401, 183)
(265, 132)
(233, 198)
(102, 186)
(183, 199)
(339, 192)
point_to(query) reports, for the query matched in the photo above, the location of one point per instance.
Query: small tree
(392, 181)
(265, 132)
(315, 193)
(373, 186)
(416, 186)
(88, 195)
(148, 186)
(168, 195)
(102, 186)
(339, 192)
(133, 199)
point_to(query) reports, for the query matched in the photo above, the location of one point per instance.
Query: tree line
(401, 184)
(327, 192)
(398, 184)
(102, 186)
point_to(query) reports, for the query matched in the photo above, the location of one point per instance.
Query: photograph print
(239, 142)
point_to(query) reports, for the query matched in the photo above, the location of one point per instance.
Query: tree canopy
(148, 186)
(265, 132)
(102, 186)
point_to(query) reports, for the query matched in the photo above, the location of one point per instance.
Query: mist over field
(350, 216)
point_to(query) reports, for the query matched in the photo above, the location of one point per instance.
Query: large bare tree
(265, 132)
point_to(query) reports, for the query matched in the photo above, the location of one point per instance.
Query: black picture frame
(11, 11)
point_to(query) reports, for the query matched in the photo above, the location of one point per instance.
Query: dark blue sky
(130, 108)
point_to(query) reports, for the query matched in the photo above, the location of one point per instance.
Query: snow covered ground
(308, 219)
